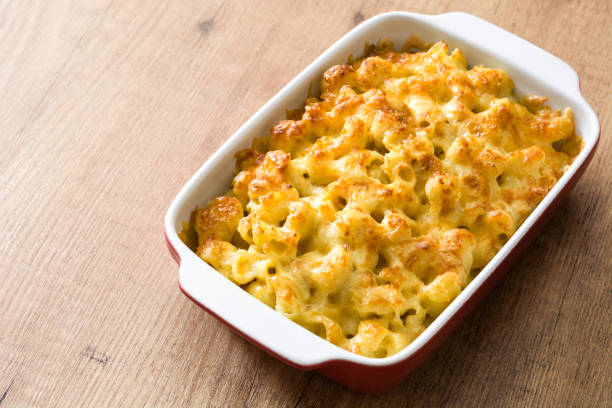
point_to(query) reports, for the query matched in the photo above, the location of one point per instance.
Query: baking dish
(533, 70)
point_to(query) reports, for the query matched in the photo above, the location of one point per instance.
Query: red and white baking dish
(533, 70)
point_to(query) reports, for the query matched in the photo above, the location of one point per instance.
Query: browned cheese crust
(363, 219)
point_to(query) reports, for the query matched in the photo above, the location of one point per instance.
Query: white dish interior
(533, 71)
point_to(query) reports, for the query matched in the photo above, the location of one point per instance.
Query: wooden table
(108, 107)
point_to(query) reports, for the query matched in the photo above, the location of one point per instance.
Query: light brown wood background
(108, 107)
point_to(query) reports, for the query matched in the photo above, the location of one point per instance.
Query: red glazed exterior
(377, 379)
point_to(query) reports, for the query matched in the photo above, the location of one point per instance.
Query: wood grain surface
(108, 107)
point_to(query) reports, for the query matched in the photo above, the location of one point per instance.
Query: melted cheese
(365, 217)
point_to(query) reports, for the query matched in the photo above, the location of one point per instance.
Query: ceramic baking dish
(533, 70)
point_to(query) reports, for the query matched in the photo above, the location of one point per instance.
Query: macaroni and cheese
(362, 216)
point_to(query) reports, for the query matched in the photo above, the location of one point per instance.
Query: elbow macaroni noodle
(366, 214)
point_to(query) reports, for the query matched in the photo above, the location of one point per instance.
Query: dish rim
(324, 351)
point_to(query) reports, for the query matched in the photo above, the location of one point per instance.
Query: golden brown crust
(366, 214)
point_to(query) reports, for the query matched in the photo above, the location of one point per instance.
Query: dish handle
(250, 318)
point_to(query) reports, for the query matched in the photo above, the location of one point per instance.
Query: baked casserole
(363, 215)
